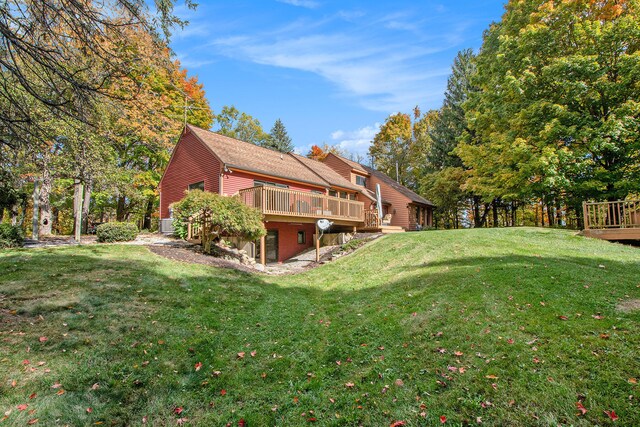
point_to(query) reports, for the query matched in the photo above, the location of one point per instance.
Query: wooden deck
(282, 204)
(619, 220)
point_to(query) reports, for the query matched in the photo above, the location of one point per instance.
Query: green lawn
(514, 326)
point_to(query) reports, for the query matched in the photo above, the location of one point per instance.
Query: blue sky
(332, 71)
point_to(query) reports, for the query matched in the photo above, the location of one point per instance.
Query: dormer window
(361, 180)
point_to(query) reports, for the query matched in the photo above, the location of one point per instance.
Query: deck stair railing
(608, 215)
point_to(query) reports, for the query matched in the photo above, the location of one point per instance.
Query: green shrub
(116, 232)
(227, 216)
(10, 236)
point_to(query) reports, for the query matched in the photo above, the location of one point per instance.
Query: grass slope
(461, 324)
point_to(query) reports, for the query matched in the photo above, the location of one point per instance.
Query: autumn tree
(240, 125)
(279, 139)
(62, 55)
(401, 146)
(556, 114)
(320, 152)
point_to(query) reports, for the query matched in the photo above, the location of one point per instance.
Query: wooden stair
(384, 229)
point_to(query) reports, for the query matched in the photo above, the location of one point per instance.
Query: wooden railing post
(189, 235)
(585, 213)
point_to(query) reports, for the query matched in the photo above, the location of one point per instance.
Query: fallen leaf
(22, 407)
(60, 392)
(217, 373)
(32, 396)
(633, 381)
(56, 385)
(399, 383)
(295, 399)
(581, 408)
(223, 392)
(612, 415)
(198, 366)
(14, 383)
(44, 339)
(32, 421)
(253, 353)
(563, 318)
(181, 421)
(240, 355)
(458, 353)
(242, 423)
(398, 424)
(349, 385)
(89, 410)
(178, 410)
(95, 386)
(597, 316)
(443, 419)
(491, 377)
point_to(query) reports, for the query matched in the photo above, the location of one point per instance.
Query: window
(302, 237)
(333, 193)
(258, 183)
(352, 196)
(197, 186)
(361, 180)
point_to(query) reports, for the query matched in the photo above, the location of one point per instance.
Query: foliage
(400, 147)
(414, 307)
(279, 138)
(317, 152)
(225, 216)
(11, 236)
(60, 55)
(116, 232)
(557, 114)
(451, 123)
(240, 126)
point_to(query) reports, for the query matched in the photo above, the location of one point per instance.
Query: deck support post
(263, 250)
(317, 244)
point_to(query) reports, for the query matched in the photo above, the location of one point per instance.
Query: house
(291, 191)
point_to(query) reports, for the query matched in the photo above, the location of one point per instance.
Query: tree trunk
(120, 209)
(45, 202)
(514, 213)
(535, 214)
(77, 209)
(35, 234)
(495, 212)
(149, 212)
(476, 212)
(542, 212)
(85, 206)
(550, 215)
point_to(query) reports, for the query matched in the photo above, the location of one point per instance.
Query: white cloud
(355, 141)
(383, 76)
(309, 4)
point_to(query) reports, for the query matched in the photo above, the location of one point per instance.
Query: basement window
(302, 237)
(197, 186)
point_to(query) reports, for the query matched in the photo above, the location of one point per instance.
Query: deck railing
(281, 201)
(606, 215)
(371, 219)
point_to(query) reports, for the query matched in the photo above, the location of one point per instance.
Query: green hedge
(116, 232)
(10, 236)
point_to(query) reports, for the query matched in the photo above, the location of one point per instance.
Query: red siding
(191, 162)
(236, 181)
(399, 203)
(288, 238)
(339, 166)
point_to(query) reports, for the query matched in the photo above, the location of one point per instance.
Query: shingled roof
(397, 186)
(248, 157)
(328, 174)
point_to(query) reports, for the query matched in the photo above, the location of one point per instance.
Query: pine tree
(278, 138)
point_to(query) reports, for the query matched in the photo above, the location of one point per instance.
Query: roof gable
(252, 158)
(328, 174)
(353, 165)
